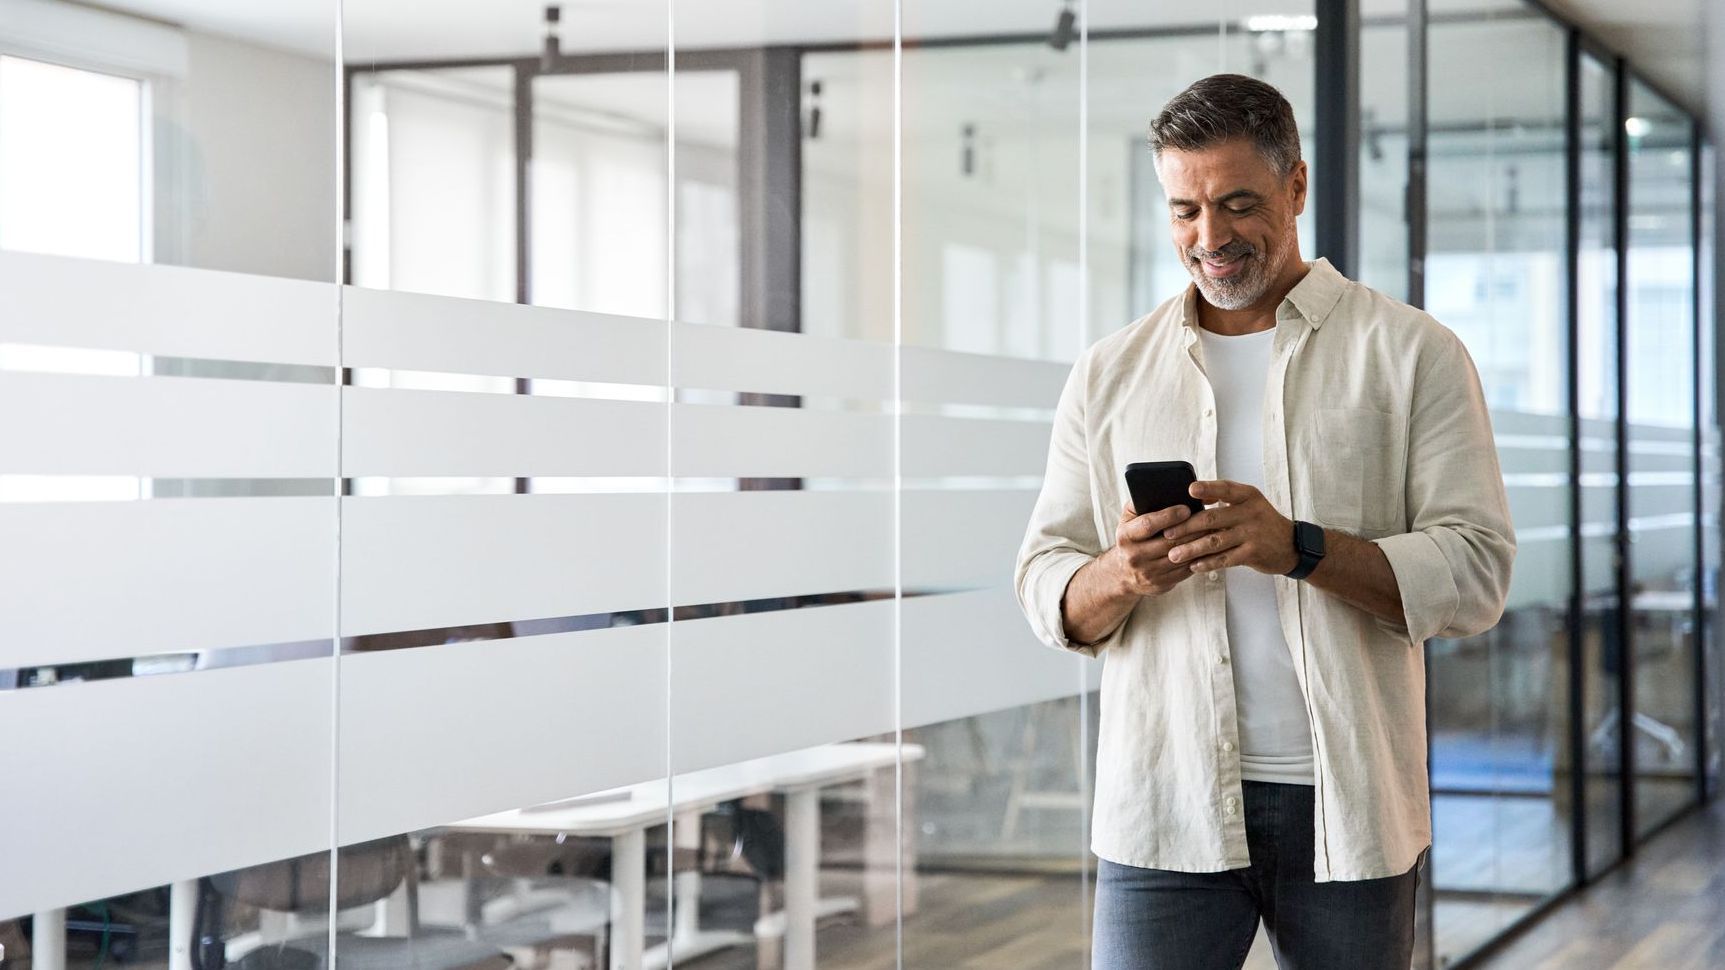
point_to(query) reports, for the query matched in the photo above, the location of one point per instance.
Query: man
(1262, 750)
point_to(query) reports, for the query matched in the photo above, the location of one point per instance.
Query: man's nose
(1214, 230)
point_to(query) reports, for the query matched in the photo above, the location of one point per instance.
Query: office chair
(367, 873)
(517, 894)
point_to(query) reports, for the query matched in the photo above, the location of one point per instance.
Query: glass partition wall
(567, 467)
(1494, 273)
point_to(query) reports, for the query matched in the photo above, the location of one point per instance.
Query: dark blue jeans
(1158, 919)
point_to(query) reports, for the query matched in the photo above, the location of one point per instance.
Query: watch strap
(1309, 557)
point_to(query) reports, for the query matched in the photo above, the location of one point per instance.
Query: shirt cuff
(1428, 591)
(1050, 584)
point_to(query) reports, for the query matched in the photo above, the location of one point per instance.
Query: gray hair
(1226, 106)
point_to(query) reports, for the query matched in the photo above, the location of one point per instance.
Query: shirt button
(1214, 575)
(1222, 658)
(1227, 745)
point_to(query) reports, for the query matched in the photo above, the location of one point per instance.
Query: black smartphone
(1157, 485)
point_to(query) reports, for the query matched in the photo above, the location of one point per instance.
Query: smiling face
(1232, 217)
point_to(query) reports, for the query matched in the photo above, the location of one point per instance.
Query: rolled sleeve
(1428, 592)
(1040, 596)
(1061, 535)
(1453, 568)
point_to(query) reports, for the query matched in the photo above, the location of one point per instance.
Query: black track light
(814, 110)
(553, 50)
(1065, 28)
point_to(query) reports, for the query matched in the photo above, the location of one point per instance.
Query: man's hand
(1140, 553)
(1244, 530)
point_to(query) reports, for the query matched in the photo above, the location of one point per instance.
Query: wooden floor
(1665, 910)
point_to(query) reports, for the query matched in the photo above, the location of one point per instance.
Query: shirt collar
(1313, 297)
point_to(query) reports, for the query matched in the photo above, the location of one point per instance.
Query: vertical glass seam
(898, 476)
(340, 121)
(1080, 666)
(670, 479)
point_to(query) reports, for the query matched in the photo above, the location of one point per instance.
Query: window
(72, 170)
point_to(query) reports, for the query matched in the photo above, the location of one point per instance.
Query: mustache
(1238, 247)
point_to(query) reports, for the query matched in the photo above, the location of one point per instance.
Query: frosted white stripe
(941, 446)
(767, 442)
(126, 784)
(166, 427)
(1529, 423)
(402, 433)
(415, 331)
(775, 362)
(165, 310)
(955, 538)
(971, 653)
(1538, 506)
(762, 683)
(1647, 434)
(434, 735)
(88, 581)
(750, 545)
(423, 562)
(954, 377)
(1528, 460)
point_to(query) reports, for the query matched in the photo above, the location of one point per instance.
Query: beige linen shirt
(1374, 424)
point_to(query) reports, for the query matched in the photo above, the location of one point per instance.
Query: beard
(1236, 292)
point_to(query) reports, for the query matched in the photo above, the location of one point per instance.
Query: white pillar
(182, 914)
(802, 875)
(628, 899)
(686, 903)
(48, 941)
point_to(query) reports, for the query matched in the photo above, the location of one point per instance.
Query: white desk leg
(687, 900)
(182, 911)
(48, 941)
(802, 872)
(628, 899)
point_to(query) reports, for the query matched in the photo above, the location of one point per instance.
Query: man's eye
(1240, 210)
(1185, 213)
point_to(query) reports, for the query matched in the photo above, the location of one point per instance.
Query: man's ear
(1297, 187)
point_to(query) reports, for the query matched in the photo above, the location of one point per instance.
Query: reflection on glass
(1383, 242)
(1596, 349)
(1662, 513)
(1714, 685)
(434, 181)
(1494, 275)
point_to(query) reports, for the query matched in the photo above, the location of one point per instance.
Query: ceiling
(1664, 38)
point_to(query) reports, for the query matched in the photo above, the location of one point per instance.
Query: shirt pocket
(1356, 470)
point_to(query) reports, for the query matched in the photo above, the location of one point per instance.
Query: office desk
(800, 775)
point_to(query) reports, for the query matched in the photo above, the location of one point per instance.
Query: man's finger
(1205, 545)
(1208, 520)
(1222, 490)
(1204, 564)
(1151, 524)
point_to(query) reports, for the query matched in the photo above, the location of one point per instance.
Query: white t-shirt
(1275, 734)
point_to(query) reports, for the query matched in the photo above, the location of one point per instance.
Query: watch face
(1309, 538)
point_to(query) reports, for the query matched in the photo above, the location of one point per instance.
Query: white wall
(246, 155)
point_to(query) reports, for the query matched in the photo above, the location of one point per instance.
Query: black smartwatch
(1309, 543)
